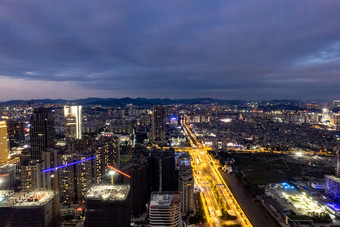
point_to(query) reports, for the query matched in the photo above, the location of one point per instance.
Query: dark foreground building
(108, 205)
(30, 209)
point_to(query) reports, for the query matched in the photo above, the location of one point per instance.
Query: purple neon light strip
(68, 164)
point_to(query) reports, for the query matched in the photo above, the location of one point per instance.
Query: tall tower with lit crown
(4, 144)
(73, 122)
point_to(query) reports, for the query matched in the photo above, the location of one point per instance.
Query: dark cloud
(225, 49)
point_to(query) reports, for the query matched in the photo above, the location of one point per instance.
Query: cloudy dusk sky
(170, 49)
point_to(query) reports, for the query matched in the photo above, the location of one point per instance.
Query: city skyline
(226, 50)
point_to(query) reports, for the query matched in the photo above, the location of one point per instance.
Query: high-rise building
(42, 132)
(186, 183)
(85, 174)
(108, 153)
(108, 205)
(73, 119)
(326, 115)
(75, 180)
(158, 124)
(4, 144)
(163, 170)
(31, 174)
(16, 133)
(165, 209)
(67, 177)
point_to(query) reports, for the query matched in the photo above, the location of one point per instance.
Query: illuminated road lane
(203, 161)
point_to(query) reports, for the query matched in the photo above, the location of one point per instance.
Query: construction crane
(118, 171)
(54, 169)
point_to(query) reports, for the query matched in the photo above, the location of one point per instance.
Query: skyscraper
(4, 145)
(42, 132)
(73, 122)
(158, 124)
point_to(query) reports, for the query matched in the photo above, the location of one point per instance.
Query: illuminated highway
(215, 194)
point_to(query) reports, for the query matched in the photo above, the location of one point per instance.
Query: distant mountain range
(140, 101)
(123, 101)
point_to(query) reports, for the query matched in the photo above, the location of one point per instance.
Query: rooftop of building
(28, 199)
(332, 177)
(70, 206)
(108, 192)
(165, 199)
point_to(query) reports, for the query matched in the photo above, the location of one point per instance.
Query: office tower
(4, 145)
(31, 209)
(163, 170)
(186, 183)
(16, 133)
(158, 124)
(326, 115)
(165, 209)
(73, 119)
(108, 205)
(42, 132)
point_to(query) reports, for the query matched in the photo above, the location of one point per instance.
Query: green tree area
(225, 215)
(201, 215)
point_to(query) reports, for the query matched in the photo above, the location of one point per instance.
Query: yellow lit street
(219, 204)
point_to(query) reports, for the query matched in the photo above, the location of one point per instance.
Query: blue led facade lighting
(68, 164)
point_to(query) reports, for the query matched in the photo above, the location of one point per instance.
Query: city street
(207, 177)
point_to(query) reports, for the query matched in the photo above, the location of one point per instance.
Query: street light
(112, 173)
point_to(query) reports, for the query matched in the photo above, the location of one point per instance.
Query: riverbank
(254, 210)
